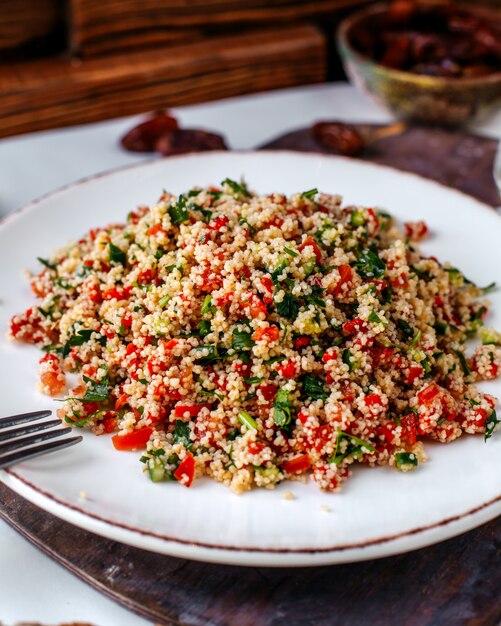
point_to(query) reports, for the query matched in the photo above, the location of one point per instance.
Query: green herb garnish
(178, 212)
(117, 255)
(239, 189)
(182, 434)
(405, 458)
(282, 411)
(314, 388)
(310, 194)
(490, 425)
(369, 265)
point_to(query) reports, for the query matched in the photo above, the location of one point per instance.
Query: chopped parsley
(48, 264)
(310, 194)
(97, 391)
(178, 212)
(288, 307)
(182, 434)
(490, 425)
(238, 189)
(241, 339)
(117, 255)
(349, 445)
(282, 410)
(405, 458)
(369, 265)
(314, 388)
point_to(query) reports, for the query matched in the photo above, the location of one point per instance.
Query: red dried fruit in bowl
(401, 11)
(181, 141)
(397, 53)
(143, 137)
(341, 138)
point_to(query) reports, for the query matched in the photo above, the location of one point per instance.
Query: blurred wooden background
(66, 62)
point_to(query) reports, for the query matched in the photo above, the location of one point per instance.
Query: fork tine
(13, 420)
(30, 453)
(16, 444)
(25, 430)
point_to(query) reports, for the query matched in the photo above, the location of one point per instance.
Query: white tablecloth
(32, 587)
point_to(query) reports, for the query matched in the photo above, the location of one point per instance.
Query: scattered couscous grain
(261, 339)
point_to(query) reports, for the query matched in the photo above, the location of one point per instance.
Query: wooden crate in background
(58, 92)
(66, 62)
(100, 26)
(31, 27)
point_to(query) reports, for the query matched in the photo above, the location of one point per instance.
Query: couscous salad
(255, 339)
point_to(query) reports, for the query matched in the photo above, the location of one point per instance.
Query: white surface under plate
(378, 513)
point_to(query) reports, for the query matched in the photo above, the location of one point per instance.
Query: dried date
(340, 138)
(181, 141)
(144, 136)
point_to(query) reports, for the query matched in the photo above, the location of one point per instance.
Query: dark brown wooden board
(455, 583)
(58, 92)
(454, 158)
(100, 26)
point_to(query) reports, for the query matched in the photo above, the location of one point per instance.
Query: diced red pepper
(386, 431)
(255, 447)
(356, 325)
(269, 392)
(117, 293)
(345, 277)
(310, 242)
(145, 277)
(415, 372)
(297, 465)
(109, 423)
(373, 399)
(428, 394)
(186, 470)
(300, 342)
(244, 369)
(192, 409)
(156, 229)
(121, 401)
(331, 354)
(409, 425)
(134, 440)
(246, 271)
(287, 369)
(271, 333)
(218, 223)
(255, 306)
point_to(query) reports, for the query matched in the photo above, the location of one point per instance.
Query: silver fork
(15, 446)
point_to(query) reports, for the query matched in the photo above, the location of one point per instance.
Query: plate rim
(183, 548)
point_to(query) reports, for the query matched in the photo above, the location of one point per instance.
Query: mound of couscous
(257, 339)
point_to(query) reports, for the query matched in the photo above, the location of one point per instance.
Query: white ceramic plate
(379, 512)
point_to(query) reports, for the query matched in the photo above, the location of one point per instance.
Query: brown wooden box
(31, 27)
(59, 92)
(98, 26)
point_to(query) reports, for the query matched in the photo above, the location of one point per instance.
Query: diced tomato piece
(276, 221)
(109, 422)
(267, 284)
(244, 369)
(382, 354)
(311, 243)
(331, 354)
(255, 306)
(246, 271)
(146, 277)
(416, 231)
(321, 437)
(300, 342)
(269, 392)
(127, 321)
(409, 424)
(373, 399)
(170, 345)
(192, 409)
(134, 440)
(356, 325)
(386, 431)
(345, 277)
(302, 417)
(48, 358)
(121, 401)
(428, 394)
(117, 293)
(255, 447)
(211, 278)
(415, 372)
(156, 229)
(218, 223)
(287, 369)
(380, 285)
(186, 470)
(297, 465)
(271, 333)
